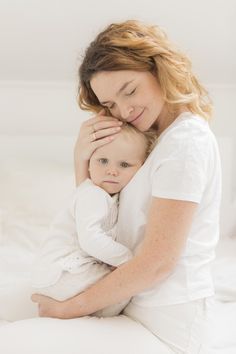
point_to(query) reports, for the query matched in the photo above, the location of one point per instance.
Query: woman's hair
(133, 45)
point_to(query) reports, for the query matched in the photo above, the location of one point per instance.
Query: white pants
(182, 327)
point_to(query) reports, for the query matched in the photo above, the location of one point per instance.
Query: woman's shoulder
(188, 135)
(187, 125)
(187, 130)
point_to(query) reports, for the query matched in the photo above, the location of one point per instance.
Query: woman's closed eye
(131, 93)
(127, 94)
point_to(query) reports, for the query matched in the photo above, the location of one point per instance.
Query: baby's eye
(103, 161)
(124, 164)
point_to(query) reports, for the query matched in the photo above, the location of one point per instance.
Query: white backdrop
(42, 43)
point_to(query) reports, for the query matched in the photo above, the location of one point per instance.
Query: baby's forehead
(122, 150)
(126, 140)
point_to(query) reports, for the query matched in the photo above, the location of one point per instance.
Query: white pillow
(36, 178)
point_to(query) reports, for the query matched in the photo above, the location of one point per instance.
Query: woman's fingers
(103, 124)
(40, 298)
(98, 134)
(100, 142)
(93, 133)
(35, 298)
(101, 116)
(47, 306)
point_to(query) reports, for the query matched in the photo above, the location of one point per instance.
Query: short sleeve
(181, 170)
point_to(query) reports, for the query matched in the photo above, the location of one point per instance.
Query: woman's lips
(135, 119)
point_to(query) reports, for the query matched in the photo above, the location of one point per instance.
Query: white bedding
(36, 177)
(222, 328)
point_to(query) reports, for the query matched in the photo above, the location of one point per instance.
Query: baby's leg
(71, 284)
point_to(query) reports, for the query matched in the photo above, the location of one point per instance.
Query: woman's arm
(168, 225)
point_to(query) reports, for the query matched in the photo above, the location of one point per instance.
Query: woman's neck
(166, 118)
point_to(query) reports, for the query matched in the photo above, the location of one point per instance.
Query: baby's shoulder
(88, 189)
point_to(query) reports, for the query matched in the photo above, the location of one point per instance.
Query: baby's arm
(91, 208)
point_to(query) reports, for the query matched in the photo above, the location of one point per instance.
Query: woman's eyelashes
(131, 93)
(127, 94)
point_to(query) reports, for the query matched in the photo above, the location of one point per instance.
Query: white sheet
(222, 328)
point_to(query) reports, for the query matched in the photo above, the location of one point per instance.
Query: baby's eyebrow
(120, 90)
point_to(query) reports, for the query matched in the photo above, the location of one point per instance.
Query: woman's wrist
(81, 171)
(72, 308)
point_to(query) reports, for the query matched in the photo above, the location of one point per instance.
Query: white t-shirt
(184, 165)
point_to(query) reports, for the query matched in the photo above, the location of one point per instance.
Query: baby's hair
(149, 137)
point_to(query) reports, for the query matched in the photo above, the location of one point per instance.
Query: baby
(82, 246)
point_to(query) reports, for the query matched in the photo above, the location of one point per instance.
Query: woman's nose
(126, 111)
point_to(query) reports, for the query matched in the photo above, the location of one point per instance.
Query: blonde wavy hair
(134, 45)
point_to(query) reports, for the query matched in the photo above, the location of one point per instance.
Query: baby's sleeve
(91, 209)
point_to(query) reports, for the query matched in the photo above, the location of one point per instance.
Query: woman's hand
(49, 307)
(95, 132)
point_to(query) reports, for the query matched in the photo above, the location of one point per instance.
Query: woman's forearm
(123, 283)
(81, 171)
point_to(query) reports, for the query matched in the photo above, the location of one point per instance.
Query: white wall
(42, 41)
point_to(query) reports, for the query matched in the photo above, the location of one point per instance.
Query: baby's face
(113, 165)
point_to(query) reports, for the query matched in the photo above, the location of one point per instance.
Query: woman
(169, 212)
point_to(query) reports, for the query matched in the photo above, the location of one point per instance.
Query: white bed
(36, 178)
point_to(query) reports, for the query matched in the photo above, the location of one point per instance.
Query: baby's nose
(112, 171)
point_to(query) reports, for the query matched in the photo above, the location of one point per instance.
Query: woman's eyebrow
(120, 90)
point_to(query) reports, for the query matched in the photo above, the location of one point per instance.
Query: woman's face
(132, 96)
